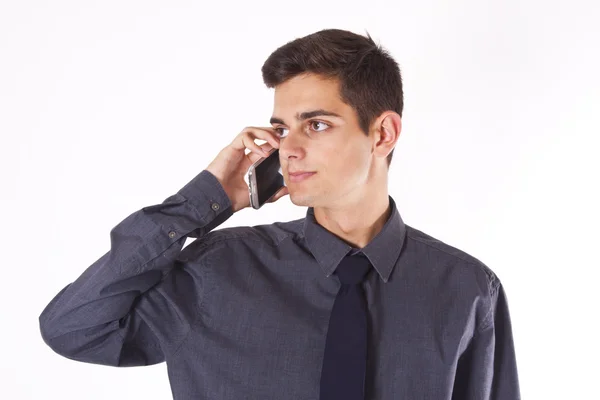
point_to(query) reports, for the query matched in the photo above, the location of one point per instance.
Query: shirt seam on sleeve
(493, 285)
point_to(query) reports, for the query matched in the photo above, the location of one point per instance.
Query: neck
(358, 222)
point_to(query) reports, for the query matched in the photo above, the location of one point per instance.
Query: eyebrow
(306, 115)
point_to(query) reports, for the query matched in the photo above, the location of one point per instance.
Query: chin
(301, 200)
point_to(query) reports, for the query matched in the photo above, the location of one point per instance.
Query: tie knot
(353, 269)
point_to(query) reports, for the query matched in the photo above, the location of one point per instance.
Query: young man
(346, 303)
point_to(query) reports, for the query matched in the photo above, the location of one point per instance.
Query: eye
(313, 123)
(278, 130)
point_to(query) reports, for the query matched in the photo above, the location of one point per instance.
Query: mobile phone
(265, 179)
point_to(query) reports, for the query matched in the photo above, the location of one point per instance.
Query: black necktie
(345, 358)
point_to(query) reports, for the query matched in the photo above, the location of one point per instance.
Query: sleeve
(112, 314)
(487, 369)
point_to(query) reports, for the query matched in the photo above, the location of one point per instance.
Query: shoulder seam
(492, 280)
(488, 320)
(479, 264)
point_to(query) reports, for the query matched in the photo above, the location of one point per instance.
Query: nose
(292, 146)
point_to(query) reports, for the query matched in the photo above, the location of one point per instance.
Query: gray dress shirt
(243, 312)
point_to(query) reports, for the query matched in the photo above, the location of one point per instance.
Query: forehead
(308, 91)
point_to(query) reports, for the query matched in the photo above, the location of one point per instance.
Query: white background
(107, 107)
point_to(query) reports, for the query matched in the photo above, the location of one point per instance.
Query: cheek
(347, 164)
(342, 159)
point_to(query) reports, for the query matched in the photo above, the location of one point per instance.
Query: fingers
(253, 156)
(245, 140)
(268, 134)
(248, 143)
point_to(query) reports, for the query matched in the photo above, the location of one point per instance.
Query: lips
(300, 173)
(300, 176)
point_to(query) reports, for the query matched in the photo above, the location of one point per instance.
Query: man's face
(332, 146)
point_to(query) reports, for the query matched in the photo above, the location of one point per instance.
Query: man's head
(348, 75)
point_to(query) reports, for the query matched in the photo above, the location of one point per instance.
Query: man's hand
(231, 164)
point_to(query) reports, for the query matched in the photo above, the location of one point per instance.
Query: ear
(386, 131)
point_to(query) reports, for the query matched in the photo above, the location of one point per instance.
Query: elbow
(84, 345)
(57, 341)
(48, 330)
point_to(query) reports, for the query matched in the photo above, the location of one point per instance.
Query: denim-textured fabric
(242, 312)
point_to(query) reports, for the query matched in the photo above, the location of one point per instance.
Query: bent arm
(103, 317)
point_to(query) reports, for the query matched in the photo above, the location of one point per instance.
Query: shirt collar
(382, 251)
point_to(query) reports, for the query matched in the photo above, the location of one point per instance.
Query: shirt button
(215, 206)
(172, 234)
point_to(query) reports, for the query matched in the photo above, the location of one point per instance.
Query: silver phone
(265, 179)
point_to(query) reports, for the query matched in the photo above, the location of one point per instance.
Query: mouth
(300, 176)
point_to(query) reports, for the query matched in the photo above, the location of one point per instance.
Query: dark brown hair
(370, 80)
